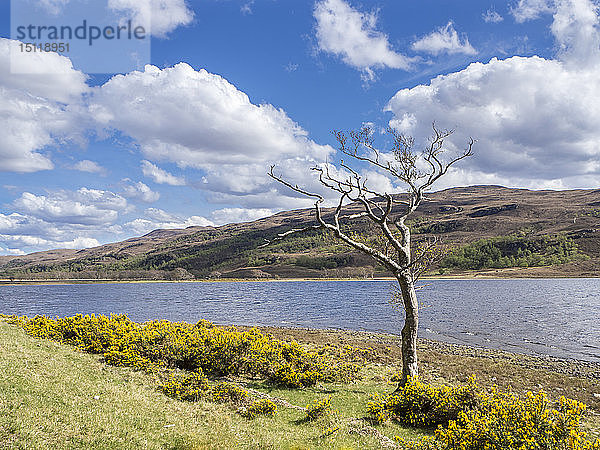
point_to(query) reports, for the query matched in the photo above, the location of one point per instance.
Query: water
(557, 317)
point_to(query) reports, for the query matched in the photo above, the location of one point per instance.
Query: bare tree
(417, 171)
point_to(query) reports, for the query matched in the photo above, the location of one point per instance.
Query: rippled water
(558, 317)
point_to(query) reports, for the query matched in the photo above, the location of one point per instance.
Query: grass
(54, 396)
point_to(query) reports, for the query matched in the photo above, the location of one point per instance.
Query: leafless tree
(417, 171)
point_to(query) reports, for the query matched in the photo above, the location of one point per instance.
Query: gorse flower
(187, 386)
(319, 408)
(228, 393)
(216, 351)
(469, 419)
(263, 407)
(422, 405)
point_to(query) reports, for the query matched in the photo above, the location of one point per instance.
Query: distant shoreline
(58, 282)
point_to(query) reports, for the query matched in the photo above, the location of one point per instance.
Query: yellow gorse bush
(471, 419)
(228, 393)
(318, 409)
(503, 420)
(217, 351)
(264, 407)
(422, 405)
(185, 386)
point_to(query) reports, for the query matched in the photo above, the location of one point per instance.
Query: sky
(231, 87)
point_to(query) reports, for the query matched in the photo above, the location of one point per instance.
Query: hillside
(492, 230)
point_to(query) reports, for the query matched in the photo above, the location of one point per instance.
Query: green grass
(54, 396)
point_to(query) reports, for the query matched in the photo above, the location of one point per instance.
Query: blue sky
(235, 86)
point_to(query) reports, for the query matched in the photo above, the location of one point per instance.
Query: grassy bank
(55, 396)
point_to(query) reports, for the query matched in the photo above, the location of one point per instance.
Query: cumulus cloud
(491, 16)
(533, 118)
(89, 166)
(37, 109)
(352, 35)
(198, 119)
(159, 16)
(537, 121)
(30, 233)
(575, 28)
(84, 206)
(11, 251)
(161, 176)
(155, 218)
(237, 215)
(140, 191)
(194, 118)
(444, 40)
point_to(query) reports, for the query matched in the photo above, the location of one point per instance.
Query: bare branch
(282, 236)
(391, 248)
(293, 187)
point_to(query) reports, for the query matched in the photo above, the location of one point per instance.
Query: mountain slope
(559, 231)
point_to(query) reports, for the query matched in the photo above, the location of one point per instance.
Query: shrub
(318, 409)
(484, 421)
(217, 351)
(503, 420)
(128, 358)
(422, 405)
(188, 387)
(228, 393)
(425, 443)
(287, 376)
(263, 407)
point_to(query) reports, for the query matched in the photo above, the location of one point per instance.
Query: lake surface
(557, 317)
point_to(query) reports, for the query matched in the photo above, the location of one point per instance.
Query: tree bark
(409, 331)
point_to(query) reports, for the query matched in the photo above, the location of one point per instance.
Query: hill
(492, 230)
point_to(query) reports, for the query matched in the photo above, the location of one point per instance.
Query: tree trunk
(409, 331)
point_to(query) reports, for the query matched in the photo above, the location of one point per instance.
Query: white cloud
(491, 16)
(531, 9)
(534, 119)
(140, 191)
(237, 215)
(89, 166)
(79, 242)
(33, 113)
(158, 219)
(161, 176)
(352, 35)
(29, 233)
(537, 121)
(40, 244)
(42, 74)
(575, 28)
(195, 118)
(11, 251)
(444, 40)
(159, 16)
(84, 206)
(198, 119)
